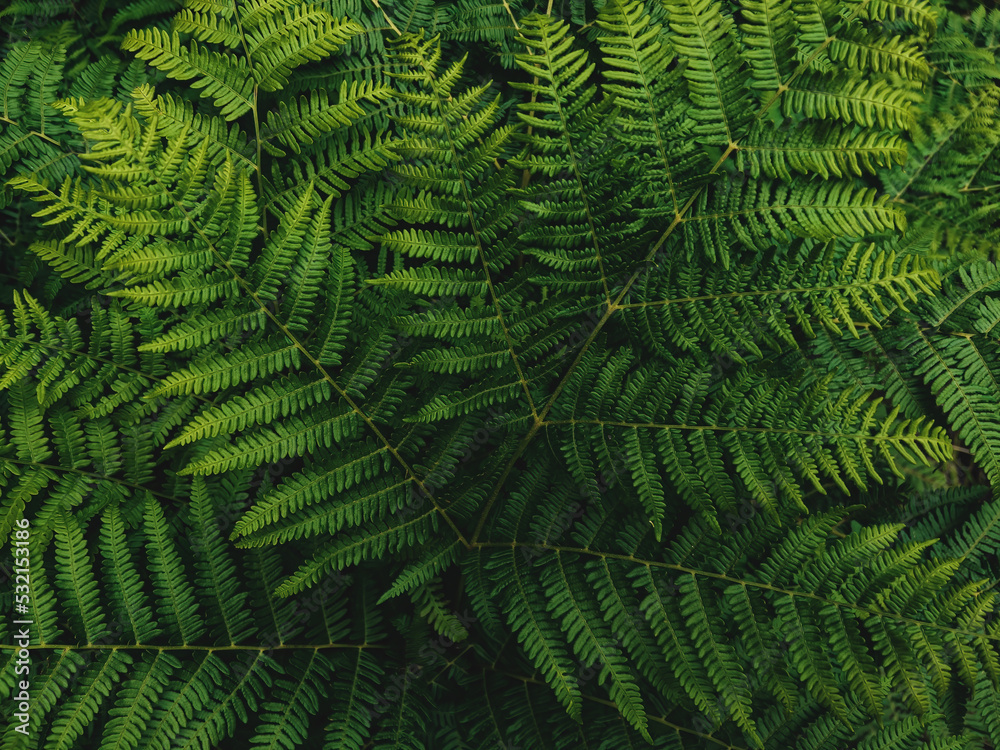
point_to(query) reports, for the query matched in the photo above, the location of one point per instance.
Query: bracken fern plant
(498, 375)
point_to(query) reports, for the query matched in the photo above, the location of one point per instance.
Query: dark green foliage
(493, 375)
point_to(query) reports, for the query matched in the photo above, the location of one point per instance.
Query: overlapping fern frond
(107, 621)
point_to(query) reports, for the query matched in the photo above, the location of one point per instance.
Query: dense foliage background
(501, 375)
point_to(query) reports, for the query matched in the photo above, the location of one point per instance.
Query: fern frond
(654, 118)
(762, 212)
(706, 39)
(316, 116)
(856, 100)
(920, 13)
(881, 53)
(76, 578)
(278, 43)
(827, 149)
(174, 594)
(768, 33)
(690, 309)
(692, 454)
(224, 78)
(370, 542)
